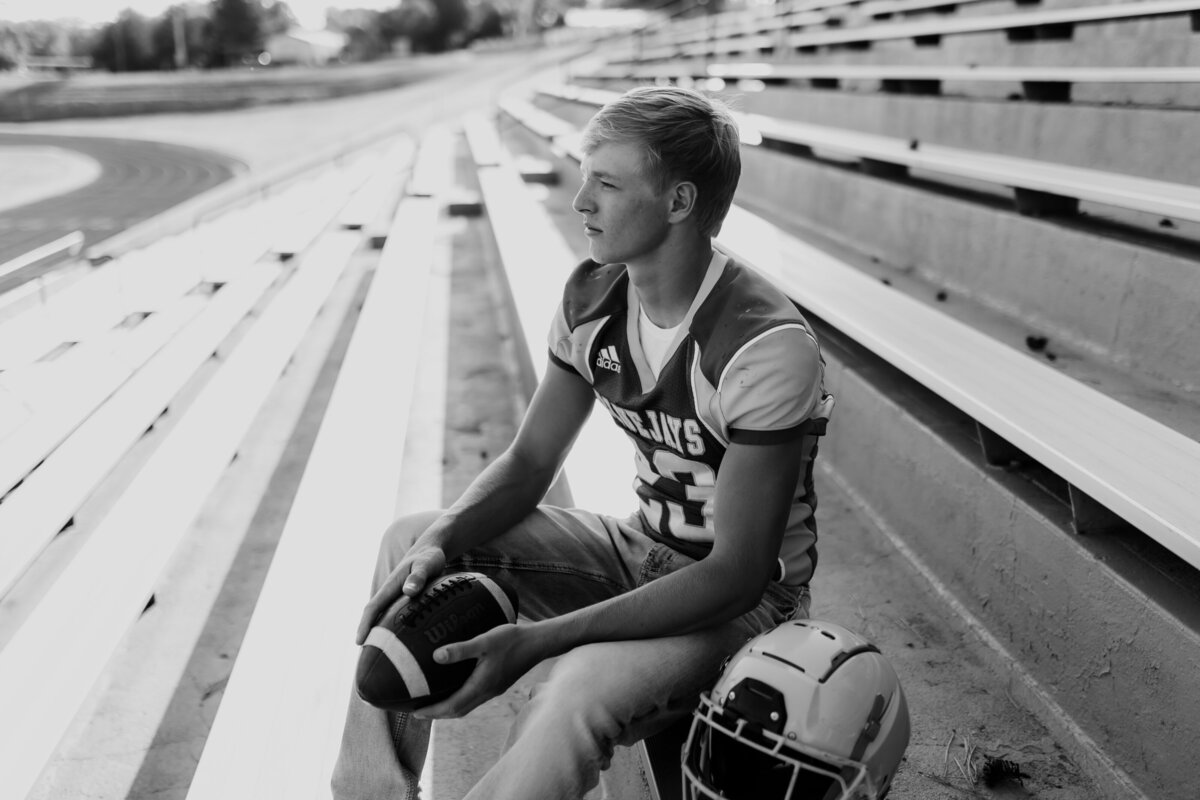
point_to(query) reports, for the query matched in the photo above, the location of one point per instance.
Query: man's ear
(683, 201)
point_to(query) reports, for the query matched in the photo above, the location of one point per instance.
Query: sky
(311, 13)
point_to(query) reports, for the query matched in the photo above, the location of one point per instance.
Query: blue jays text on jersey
(744, 368)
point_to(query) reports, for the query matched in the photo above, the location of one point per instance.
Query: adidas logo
(607, 358)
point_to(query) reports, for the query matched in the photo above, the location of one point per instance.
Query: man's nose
(582, 202)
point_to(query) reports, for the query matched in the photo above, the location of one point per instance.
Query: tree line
(224, 33)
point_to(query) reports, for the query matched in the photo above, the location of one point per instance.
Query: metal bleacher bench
(1039, 187)
(279, 723)
(75, 416)
(1010, 23)
(1016, 25)
(1117, 462)
(64, 358)
(1038, 83)
(791, 16)
(46, 675)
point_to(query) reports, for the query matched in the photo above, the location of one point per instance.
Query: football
(396, 670)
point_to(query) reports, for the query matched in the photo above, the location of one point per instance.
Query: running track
(138, 180)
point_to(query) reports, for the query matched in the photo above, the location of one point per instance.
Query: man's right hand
(419, 566)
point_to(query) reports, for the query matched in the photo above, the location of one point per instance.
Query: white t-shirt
(655, 340)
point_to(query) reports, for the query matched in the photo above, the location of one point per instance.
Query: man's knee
(588, 686)
(399, 538)
(588, 691)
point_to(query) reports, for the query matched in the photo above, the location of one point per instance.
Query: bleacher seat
(1172, 85)
(1037, 25)
(279, 722)
(102, 590)
(44, 503)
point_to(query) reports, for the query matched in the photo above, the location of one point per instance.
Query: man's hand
(507, 490)
(419, 566)
(504, 654)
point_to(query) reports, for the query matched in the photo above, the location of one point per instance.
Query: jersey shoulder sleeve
(762, 358)
(773, 388)
(593, 292)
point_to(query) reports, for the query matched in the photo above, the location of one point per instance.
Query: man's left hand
(503, 654)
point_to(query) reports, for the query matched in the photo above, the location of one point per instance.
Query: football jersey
(744, 367)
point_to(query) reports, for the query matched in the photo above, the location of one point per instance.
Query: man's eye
(607, 185)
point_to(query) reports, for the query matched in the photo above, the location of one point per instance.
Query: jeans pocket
(662, 560)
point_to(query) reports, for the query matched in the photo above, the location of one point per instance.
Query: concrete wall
(1117, 660)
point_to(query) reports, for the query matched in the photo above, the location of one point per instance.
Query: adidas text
(607, 358)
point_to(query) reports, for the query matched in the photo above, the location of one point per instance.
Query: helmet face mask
(806, 711)
(750, 764)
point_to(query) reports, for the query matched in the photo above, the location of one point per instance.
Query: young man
(717, 381)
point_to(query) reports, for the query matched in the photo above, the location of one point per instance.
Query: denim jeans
(595, 697)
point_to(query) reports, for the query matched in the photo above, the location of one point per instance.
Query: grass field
(107, 94)
(29, 174)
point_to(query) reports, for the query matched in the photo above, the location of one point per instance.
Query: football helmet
(806, 711)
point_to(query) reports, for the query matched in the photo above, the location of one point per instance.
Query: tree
(237, 31)
(431, 26)
(364, 29)
(45, 38)
(277, 18)
(364, 43)
(488, 21)
(180, 34)
(126, 45)
(415, 20)
(82, 41)
(451, 29)
(13, 46)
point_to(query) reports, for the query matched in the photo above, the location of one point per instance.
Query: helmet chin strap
(870, 729)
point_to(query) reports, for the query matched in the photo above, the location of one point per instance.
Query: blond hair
(686, 136)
